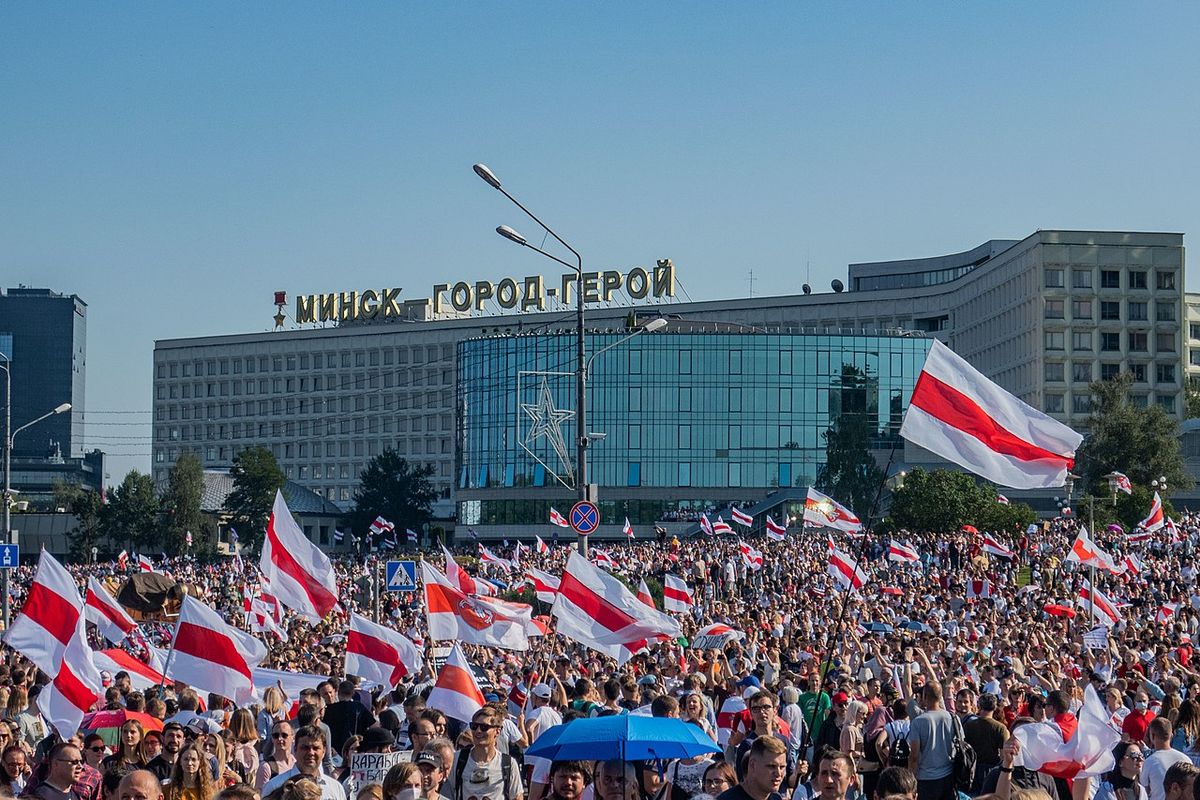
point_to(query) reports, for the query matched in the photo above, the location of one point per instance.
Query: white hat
(541, 690)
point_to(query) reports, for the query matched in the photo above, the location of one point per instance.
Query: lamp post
(9, 435)
(1159, 484)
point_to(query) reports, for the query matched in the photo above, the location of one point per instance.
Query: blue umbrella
(623, 737)
(913, 625)
(878, 627)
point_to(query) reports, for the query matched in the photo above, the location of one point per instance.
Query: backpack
(898, 748)
(963, 757)
(460, 766)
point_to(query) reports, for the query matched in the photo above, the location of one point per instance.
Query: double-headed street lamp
(9, 435)
(581, 362)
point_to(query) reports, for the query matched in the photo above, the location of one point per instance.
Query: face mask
(1141, 706)
(407, 794)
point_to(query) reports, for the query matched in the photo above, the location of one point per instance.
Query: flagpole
(170, 652)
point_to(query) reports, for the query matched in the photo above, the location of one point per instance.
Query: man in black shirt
(766, 767)
(172, 742)
(347, 717)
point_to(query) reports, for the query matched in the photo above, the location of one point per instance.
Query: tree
(945, 500)
(395, 489)
(181, 503)
(131, 514)
(85, 505)
(1140, 441)
(256, 478)
(850, 474)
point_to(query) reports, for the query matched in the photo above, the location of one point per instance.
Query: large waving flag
(47, 622)
(488, 557)
(962, 416)
(775, 531)
(558, 519)
(993, 546)
(1087, 753)
(542, 547)
(706, 525)
(721, 526)
(461, 580)
(903, 553)
(595, 609)
(456, 692)
(740, 517)
(845, 570)
(1120, 482)
(300, 574)
(454, 615)
(822, 511)
(677, 597)
(643, 593)
(141, 676)
(1095, 603)
(212, 656)
(752, 556)
(76, 687)
(1154, 520)
(109, 617)
(379, 654)
(545, 585)
(1085, 551)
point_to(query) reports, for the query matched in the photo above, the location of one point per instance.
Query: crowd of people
(910, 687)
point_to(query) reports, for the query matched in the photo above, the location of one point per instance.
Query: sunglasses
(481, 726)
(97, 749)
(1135, 756)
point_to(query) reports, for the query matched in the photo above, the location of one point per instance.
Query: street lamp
(1159, 484)
(9, 435)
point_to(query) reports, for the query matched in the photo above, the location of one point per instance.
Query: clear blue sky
(174, 163)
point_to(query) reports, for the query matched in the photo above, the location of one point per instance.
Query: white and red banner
(1166, 613)
(558, 519)
(775, 531)
(1120, 482)
(993, 546)
(545, 585)
(596, 610)
(677, 597)
(752, 556)
(643, 593)
(962, 416)
(488, 557)
(1085, 551)
(144, 564)
(461, 580)
(1002, 500)
(456, 692)
(1094, 602)
(822, 511)
(123, 561)
(47, 622)
(845, 570)
(102, 610)
(1154, 520)
(76, 687)
(740, 517)
(381, 526)
(705, 525)
(141, 676)
(603, 558)
(1087, 753)
(301, 576)
(721, 526)
(211, 655)
(627, 529)
(453, 615)
(542, 547)
(1132, 564)
(715, 636)
(379, 654)
(903, 553)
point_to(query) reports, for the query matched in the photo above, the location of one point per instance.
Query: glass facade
(683, 416)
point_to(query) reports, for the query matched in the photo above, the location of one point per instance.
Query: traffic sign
(401, 576)
(10, 556)
(584, 517)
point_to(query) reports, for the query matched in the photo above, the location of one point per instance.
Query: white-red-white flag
(144, 564)
(123, 561)
(379, 654)
(1085, 551)
(822, 511)
(486, 556)
(627, 529)
(706, 525)
(721, 526)
(141, 676)
(1166, 613)
(545, 585)
(1155, 519)
(211, 655)
(381, 526)
(1132, 563)
(993, 546)
(962, 416)
(903, 553)
(110, 618)
(456, 692)
(263, 618)
(76, 687)
(542, 547)
(300, 574)
(595, 609)
(740, 517)
(1173, 531)
(1138, 536)
(461, 580)
(1096, 603)
(677, 597)
(1087, 753)
(52, 610)
(1002, 500)
(603, 558)
(845, 570)
(752, 556)
(775, 531)
(558, 519)
(454, 615)
(643, 593)
(1120, 482)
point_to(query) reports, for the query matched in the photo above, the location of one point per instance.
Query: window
(1110, 279)
(685, 473)
(1137, 279)
(1164, 280)
(1138, 371)
(1137, 342)
(635, 437)
(1081, 403)
(1054, 371)
(1055, 309)
(735, 437)
(1164, 312)
(1081, 309)
(1110, 310)
(1054, 278)
(1109, 371)
(635, 398)
(635, 474)
(1110, 342)
(685, 437)
(1081, 340)
(685, 398)
(635, 362)
(785, 363)
(735, 398)
(735, 474)
(1054, 404)
(1055, 340)
(1194, 331)
(1194, 358)
(785, 399)
(1137, 400)
(1164, 373)
(1167, 403)
(1136, 311)
(1081, 278)
(1081, 372)
(735, 362)
(685, 362)
(1164, 342)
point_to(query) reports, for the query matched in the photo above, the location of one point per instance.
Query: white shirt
(330, 789)
(1155, 769)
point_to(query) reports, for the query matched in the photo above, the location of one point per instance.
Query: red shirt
(1135, 724)
(1066, 723)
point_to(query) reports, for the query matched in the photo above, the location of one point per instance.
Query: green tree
(181, 504)
(395, 489)
(850, 473)
(85, 505)
(131, 514)
(256, 478)
(1191, 399)
(945, 500)
(1140, 441)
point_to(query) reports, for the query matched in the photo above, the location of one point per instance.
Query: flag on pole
(643, 593)
(558, 519)
(740, 517)
(705, 525)
(542, 547)
(752, 556)
(76, 687)
(1094, 602)
(456, 692)
(1002, 500)
(1085, 551)
(628, 529)
(1087, 753)
(1166, 612)
(845, 570)
(958, 414)
(677, 597)
(488, 557)
(993, 546)
(979, 589)
(381, 526)
(103, 611)
(144, 564)
(545, 585)
(903, 553)
(123, 561)
(212, 656)
(300, 574)
(461, 580)
(822, 511)
(603, 558)
(43, 629)
(379, 654)
(1119, 482)
(775, 531)
(455, 616)
(1132, 563)
(721, 526)
(1155, 519)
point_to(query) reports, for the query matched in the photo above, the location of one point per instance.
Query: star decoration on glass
(547, 422)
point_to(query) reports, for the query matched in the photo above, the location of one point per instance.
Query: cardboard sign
(371, 767)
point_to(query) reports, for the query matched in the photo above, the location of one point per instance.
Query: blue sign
(10, 556)
(401, 576)
(584, 517)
